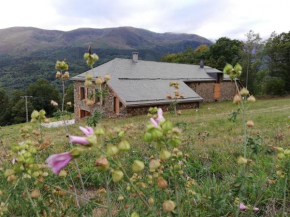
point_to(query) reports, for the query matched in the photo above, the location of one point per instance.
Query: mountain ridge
(29, 53)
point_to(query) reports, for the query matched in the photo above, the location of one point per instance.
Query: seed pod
(88, 83)
(102, 163)
(242, 160)
(117, 175)
(124, 145)
(162, 183)
(154, 164)
(58, 75)
(168, 206)
(88, 77)
(164, 154)
(99, 81)
(244, 92)
(107, 77)
(251, 99)
(250, 123)
(181, 96)
(112, 150)
(237, 99)
(35, 193)
(151, 201)
(62, 173)
(168, 96)
(137, 166)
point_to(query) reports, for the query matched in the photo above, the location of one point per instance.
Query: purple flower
(160, 115)
(58, 161)
(87, 130)
(158, 119)
(79, 140)
(242, 207)
(256, 209)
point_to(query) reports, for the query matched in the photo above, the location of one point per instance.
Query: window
(84, 113)
(82, 93)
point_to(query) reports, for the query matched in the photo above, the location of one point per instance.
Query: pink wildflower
(158, 119)
(256, 209)
(58, 161)
(242, 207)
(78, 139)
(87, 130)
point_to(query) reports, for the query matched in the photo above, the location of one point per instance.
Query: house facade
(137, 85)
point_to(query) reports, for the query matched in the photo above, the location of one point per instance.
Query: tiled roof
(147, 82)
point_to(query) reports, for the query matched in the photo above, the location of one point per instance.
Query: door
(217, 91)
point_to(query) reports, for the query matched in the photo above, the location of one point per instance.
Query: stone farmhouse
(136, 85)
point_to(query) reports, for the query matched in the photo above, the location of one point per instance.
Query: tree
(69, 97)
(224, 51)
(43, 92)
(277, 51)
(252, 60)
(4, 102)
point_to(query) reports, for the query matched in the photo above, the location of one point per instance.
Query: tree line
(13, 108)
(266, 63)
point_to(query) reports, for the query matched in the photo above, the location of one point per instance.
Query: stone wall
(108, 105)
(206, 90)
(144, 109)
(228, 90)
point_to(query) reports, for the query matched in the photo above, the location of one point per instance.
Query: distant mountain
(27, 53)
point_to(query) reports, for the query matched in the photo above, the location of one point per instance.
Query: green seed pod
(281, 156)
(117, 175)
(76, 152)
(175, 141)
(156, 133)
(88, 83)
(244, 92)
(137, 166)
(86, 56)
(99, 130)
(42, 114)
(166, 126)
(34, 114)
(147, 137)
(164, 154)
(92, 139)
(112, 150)
(154, 164)
(9, 172)
(124, 145)
(135, 214)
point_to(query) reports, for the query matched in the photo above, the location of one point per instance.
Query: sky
(208, 18)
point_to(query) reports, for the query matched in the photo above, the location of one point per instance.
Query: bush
(274, 86)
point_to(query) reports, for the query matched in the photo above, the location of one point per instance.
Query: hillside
(27, 53)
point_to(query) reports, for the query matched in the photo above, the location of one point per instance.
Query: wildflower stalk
(30, 199)
(176, 194)
(245, 145)
(284, 199)
(67, 132)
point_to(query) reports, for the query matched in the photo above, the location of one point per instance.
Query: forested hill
(27, 54)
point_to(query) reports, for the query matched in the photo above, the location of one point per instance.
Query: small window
(84, 113)
(82, 93)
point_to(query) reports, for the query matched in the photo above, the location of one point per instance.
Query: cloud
(209, 18)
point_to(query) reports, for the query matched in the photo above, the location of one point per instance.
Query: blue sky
(209, 18)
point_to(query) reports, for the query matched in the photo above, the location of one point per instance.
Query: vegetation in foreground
(150, 168)
(212, 143)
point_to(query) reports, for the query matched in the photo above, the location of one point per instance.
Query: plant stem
(63, 95)
(245, 145)
(176, 195)
(30, 199)
(284, 199)
(108, 195)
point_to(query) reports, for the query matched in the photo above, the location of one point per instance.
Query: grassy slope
(212, 160)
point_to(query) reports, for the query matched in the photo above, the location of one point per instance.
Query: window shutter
(86, 93)
(80, 93)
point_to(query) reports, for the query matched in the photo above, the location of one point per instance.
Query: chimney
(201, 64)
(135, 57)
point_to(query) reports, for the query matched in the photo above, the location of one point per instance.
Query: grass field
(212, 142)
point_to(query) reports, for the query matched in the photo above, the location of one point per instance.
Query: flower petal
(87, 130)
(242, 206)
(160, 115)
(78, 139)
(58, 161)
(154, 122)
